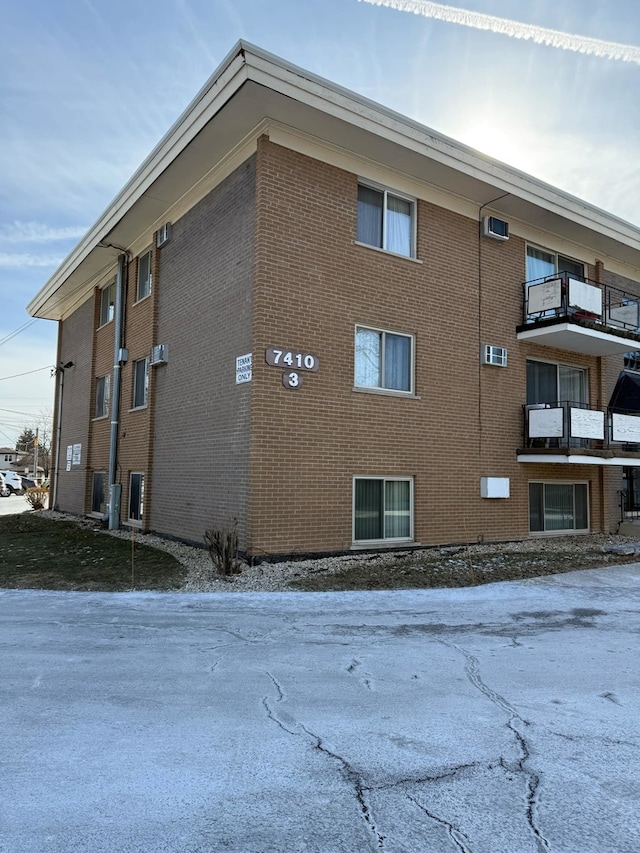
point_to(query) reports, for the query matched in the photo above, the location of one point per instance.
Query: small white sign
(626, 428)
(586, 424)
(69, 456)
(77, 454)
(243, 368)
(546, 423)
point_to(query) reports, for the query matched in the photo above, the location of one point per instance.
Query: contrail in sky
(504, 26)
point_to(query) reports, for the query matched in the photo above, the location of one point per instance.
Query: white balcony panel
(546, 423)
(625, 316)
(574, 338)
(585, 297)
(546, 296)
(586, 423)
(626, 428)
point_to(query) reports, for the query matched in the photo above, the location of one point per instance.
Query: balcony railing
(566, 298)
(568, 424)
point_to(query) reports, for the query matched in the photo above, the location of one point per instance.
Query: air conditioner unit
(495, 228)
(494, 355)
(163, 234)
(159, 354)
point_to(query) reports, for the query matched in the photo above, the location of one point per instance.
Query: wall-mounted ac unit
(494, 355)
(163, 234)
(159, 354)
(495, 228)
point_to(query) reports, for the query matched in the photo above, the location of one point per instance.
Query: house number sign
(292, 361)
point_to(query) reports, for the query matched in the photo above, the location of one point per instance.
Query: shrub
(38, 497)
(222, 544)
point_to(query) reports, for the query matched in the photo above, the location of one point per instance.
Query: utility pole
(35, 458)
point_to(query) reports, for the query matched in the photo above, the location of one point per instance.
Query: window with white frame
(382, 509)
(558, 507)
(541, 263)
(386, 220)
(144, 276)
(103, 393)
(98, 493)
(383, 360)
(136, 497)
(140, 383)
(107, 303)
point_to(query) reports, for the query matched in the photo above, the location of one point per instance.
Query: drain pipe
(59, 372)
(119, 356)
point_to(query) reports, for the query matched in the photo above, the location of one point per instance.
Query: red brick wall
(200, 435)
(76, 345)
(313, 285)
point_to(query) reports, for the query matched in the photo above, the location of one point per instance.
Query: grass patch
(42, 553)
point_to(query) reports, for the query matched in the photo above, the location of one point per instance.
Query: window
(144, 276)
(383, 360)
(558, 507)
(544, 264)
(556, 383)
(136, 498)
(103, 392)
(107, 304)
(385, 220)
(140, 382)
(382, 509)
(98, 502)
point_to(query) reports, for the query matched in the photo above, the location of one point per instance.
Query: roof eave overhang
(342, 118)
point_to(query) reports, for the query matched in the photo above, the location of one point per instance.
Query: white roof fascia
(248, 62)
(347, 105)
(207, 102)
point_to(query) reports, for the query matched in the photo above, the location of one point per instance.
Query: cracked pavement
(496, 719)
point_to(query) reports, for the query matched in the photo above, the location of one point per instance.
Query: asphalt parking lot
(497, 719)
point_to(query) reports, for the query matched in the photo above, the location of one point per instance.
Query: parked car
(4, 491)
(13, 482)
(28, 483)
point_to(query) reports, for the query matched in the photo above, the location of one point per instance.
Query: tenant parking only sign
(243, 368)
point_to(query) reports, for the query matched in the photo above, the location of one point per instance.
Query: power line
(26, 414)
(26, 373)
(17, 331)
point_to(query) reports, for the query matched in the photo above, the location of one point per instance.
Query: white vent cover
(494, 487)
(159, 354)
(163, 234)
(494, 355)
(495, 228)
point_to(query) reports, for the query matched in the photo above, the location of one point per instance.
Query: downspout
(54, 496)
(113, 508)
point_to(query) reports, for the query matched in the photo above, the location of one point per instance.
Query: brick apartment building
(317, 317)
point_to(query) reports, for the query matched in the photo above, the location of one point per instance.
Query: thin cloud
(514, 29)
(28, 259)
(37, 232)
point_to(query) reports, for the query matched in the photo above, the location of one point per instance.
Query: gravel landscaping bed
(452, 566)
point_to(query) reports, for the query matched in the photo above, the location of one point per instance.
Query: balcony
(574, 433)
(579, 315)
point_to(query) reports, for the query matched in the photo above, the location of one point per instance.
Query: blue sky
(87, 88)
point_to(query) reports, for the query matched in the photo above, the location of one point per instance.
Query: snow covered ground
(496, 719)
